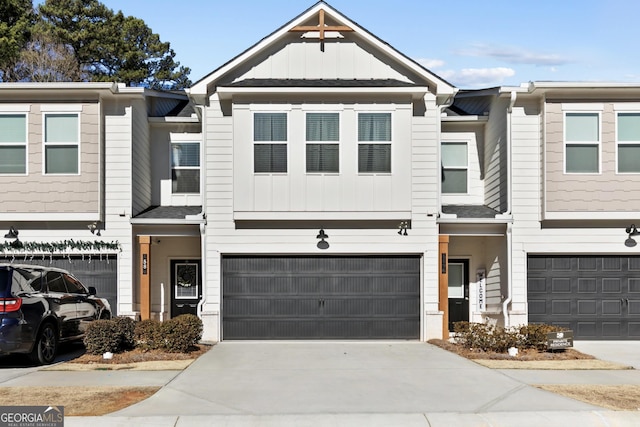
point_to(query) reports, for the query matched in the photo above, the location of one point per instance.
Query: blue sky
(469, 43)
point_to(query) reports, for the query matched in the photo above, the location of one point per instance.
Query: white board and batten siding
(118, 198)
(344, 195)
(340, 60)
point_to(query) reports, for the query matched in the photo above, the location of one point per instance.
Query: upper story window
(628, 142)
(61, 143)
(582, 142)
(270, 142)
(322, 129)
(455, 167)
(374, 142)
(185, 167)
(13, 144)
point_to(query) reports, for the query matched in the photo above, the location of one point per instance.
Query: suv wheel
(46, 346)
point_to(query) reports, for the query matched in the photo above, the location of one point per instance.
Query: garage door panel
(585, 329)
(321, 297)
(587, 307)
(611, 286)
(561, 286)
(595, 296)
(587, 286)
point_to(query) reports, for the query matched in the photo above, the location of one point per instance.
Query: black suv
(43, 306)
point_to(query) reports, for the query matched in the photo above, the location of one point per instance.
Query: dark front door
(458, 291)
(306, 297)
(186, 289)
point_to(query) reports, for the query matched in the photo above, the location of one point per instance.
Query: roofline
(167, 221)
(112, 86)
(463, 119)
(441, 84)
(415, 91)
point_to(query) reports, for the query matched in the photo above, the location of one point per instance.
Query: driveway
(268, 378)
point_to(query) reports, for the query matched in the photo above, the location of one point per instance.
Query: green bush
(125, 327)
(102, 336)
(181, 333)
(148, 335)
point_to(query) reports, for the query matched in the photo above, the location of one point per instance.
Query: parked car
(41, 307)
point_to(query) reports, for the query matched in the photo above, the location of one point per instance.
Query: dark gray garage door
(321, 297)
(596, 297)
(100, 272)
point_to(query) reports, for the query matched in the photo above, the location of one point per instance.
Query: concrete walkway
(341, 384)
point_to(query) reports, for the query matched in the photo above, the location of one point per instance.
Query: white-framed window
(61, 135)
(628, 142)
(582, 142)
(455, 167)
(185, 167)
(374, 142)
(13, 143)
(270, 142)
(322, 142)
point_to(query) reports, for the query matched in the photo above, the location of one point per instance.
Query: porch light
(322, 244)
(632, 231)
(12, 234)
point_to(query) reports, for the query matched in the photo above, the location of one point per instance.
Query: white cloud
(514, 55)
(478, 77)
(430, 63)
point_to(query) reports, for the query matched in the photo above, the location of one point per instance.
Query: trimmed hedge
(122, 333)
(490, 338)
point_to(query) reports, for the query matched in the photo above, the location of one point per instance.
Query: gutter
(507, 300)
(446, 104)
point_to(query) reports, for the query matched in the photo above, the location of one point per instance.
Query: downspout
(203, 211)
(507, 300)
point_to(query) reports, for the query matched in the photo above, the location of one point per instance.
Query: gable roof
(207, 84)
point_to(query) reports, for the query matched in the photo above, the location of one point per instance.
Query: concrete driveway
(265, 378)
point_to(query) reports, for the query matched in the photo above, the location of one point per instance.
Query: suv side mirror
(92, 290)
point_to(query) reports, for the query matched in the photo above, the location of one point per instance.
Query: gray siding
(40, 193)
(603, 192)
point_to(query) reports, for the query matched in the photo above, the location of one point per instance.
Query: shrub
(101, 336)
(148, 335)
(535, 335)
(125, 327)
(485, 337)
(181, 333)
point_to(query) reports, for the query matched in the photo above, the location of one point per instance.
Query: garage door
(321, 298)
(98, 271)
(598, 297)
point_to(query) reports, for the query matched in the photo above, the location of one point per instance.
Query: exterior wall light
(632, 231)
(322, 244)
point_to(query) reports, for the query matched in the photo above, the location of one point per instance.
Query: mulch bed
(524, 355)
(138, 355)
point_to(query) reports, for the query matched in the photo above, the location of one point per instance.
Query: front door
(458, 291)
(186, 289)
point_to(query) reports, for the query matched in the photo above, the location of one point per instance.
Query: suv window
(28, 280)
(55, 282)
(4, 280)
(74, 285)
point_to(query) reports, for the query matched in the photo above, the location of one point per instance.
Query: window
(628, 142)
(13, 144)
(61, 143)
(455, 166)
(374, 142)
(582, 142)
(270, 157)
(323, 156)
(55, 282)
(73, 285)
(185, 167)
